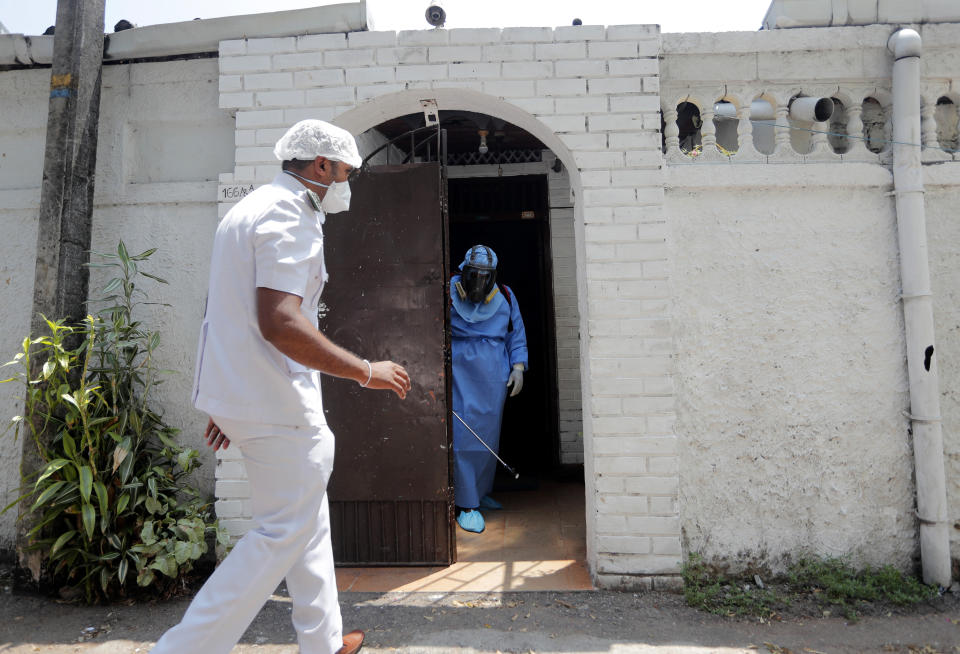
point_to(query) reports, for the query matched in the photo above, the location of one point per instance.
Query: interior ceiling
(462, 132)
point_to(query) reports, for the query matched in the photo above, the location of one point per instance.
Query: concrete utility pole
(66, 201)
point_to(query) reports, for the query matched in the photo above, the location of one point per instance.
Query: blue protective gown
(483, 355)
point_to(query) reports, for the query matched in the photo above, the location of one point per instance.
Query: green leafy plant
(112, 504)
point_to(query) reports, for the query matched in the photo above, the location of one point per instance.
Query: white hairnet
(310, 139)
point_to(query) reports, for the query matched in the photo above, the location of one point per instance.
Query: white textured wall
(943, 231)
(790, 370)
(23, 106)
(566, 313)
(795, 389)
(163, 142)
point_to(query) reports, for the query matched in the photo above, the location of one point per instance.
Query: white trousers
(288, 469)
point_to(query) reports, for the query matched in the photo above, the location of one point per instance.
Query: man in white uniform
(257, 378)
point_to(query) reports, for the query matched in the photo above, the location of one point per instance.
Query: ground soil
(430, 623)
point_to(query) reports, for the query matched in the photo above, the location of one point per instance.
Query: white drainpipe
(918, 310)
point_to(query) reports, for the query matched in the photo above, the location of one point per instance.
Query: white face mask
(335, 200)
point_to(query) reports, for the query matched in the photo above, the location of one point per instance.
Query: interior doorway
(511, 216)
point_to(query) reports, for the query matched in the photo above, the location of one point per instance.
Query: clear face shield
(478, 282)
(478, 275)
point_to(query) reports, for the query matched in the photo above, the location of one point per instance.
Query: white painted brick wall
(508, 52)
(610, 50)
(512, 89)
(527, 34)
(562, 87)
(580, 33)
(580, 68)
(474, 71)
(566, 314)
(595, 89)
(322, 42)
(527, 69)
(371, 39)
(560, 50)
(244, 64)
(454, 53)
(277, 98)
(401, 55)
(423, 37)
(230, 83)
(641, 33)
(348, 58)
(475, 35)
(272, 45)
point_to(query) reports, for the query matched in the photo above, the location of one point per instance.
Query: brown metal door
(391, 495)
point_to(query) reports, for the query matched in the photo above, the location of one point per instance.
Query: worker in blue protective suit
(489, 356)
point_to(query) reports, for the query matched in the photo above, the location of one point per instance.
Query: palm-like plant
(111, 498)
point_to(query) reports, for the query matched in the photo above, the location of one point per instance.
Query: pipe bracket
(922, 418)
(906, 191)
(927, 521)
(913, 296)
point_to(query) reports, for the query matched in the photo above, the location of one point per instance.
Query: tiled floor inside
(536, 542)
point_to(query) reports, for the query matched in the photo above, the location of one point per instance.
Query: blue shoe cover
(471, 521)
(487, 502)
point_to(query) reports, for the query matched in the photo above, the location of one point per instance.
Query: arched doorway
(511, 199)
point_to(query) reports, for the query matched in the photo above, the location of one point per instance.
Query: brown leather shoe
(352, 642)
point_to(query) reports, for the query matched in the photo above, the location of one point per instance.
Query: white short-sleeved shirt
(273, 238)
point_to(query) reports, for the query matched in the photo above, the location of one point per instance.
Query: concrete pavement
(541, 622)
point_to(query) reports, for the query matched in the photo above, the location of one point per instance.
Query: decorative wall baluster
(783, 148)
(708, 133)
(745, 148)
(857, 150)
(865, 114)
(671, 132)
(819, 146)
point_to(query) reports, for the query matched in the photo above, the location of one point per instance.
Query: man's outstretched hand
(389, 376)
(214, 437)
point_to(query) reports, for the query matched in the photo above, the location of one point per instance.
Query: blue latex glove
(516, 379)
